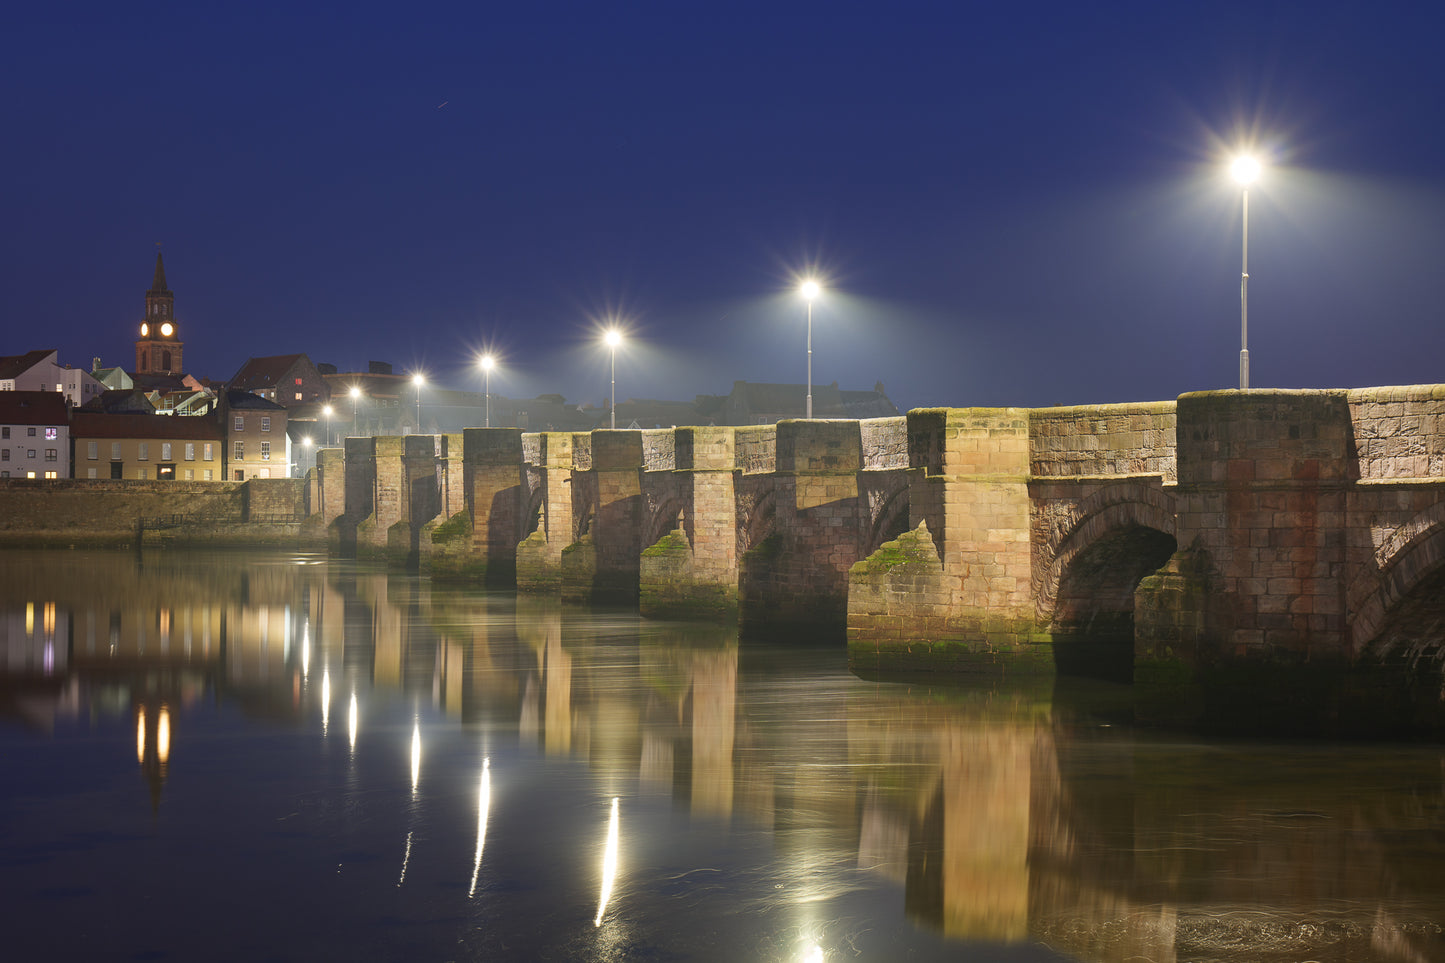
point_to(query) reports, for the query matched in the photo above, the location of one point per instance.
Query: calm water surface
(275, 757)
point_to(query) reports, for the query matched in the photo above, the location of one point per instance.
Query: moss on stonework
(914, 546)
(458, 526)
(673, 542)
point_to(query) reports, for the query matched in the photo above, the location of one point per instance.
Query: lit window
(265, 451)
(190, 451)
(207, 452)
(50, 434)
(165, 451)
(143, 451)
(206, 474)
(30, 474)
(190, 474)
(298, 381)
(298, 396)
(51, 474)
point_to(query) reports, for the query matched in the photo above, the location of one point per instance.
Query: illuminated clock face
(166, 330)
(145, 329)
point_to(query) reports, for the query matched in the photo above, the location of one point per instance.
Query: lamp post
(326, 410)
(418, 379)
(355, 403)
(487, 362)
(809, 289)
(305, 455)
(1245, 169)
(614, 338)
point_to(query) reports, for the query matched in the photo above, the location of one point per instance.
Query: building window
(116, 467)
(190, 474)
(298, 396)
(4, 454)
(298, 381)
(30, 474)
(50, 454)
(265, 423)
(30, 453)
(143, 451)
(165, 472)
(265, 473)
(4, 474)
(30, 432)
(165, 451)
(92, 450)
(265, 451)
(51, 474)
(206, 474)
(115, 451)
(207, 452)
(90, 473)
(143, 474)
(240, 423)
(50, 434)
(190, 451)
(240, 453)
(5, 432)
(240, 475)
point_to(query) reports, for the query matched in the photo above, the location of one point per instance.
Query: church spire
(158, 284)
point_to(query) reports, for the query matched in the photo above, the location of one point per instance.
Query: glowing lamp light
(487, 362)
(809, 289)
(1244, 169)
(613, 338)
(418, 379)
(355, 392)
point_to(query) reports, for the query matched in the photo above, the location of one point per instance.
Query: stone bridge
(1211, 549)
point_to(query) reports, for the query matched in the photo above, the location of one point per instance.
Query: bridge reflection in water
(506, 776)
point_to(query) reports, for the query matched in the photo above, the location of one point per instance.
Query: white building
(34, 435)
(39, 371)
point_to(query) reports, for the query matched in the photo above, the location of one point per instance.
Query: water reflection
(825, 810)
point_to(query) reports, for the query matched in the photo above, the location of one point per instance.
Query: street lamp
(418, 379)
(355, 403)
(809, 289)
(326, 410)
(613, 339)
(487, 362)
(1245, 169)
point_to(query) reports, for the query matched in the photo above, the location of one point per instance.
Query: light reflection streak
(351, 720)
(325, 700)
(404, 860)
(415, 756)
(609, 864)
(305, 650)
(484, 803)
(140, 736)
(163, 736)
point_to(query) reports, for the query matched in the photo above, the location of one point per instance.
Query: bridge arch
(1118, 535)
(758, 523)
(1396, 601)
(667, 516)
(890, 521)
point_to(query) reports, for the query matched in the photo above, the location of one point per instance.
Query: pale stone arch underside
(887, 512)
(756, 521)
(663, 519)
(1112, 508)
(1412, 553)
(536, 509)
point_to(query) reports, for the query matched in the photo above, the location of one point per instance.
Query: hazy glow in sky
(1010, 205)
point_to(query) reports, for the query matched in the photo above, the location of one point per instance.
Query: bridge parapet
(1103, 440)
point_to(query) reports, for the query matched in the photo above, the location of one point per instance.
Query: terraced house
(146, 447)
(256, 442)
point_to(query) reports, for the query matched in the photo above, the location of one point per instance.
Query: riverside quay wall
(1231, 553)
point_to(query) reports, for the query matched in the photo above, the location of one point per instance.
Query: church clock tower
(158, 349)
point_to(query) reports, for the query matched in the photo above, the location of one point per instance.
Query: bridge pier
(405, 496)
(602, 565)
(479, 542)
(1245, 627)
(549, 490)
(691, 571)
(954, 593)
(795, 582)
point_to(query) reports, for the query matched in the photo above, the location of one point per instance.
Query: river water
(284, 757)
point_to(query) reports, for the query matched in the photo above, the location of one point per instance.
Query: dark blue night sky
(1011, 203)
